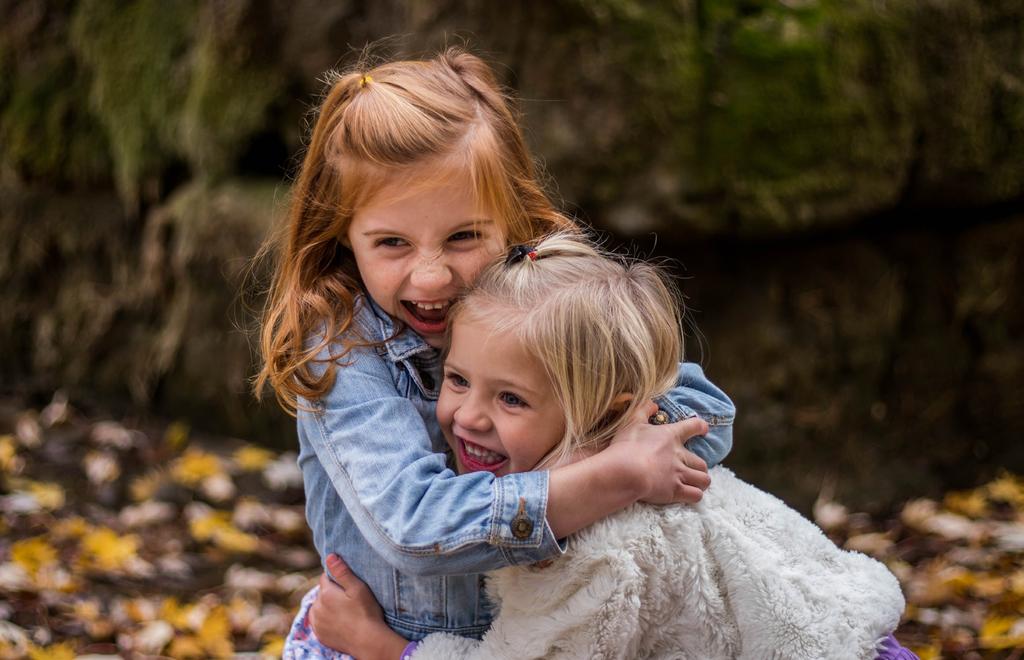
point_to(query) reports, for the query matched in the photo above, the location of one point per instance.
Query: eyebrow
(500, 382)
(457, 228)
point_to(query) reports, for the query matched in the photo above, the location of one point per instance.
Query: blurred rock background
(842, 184)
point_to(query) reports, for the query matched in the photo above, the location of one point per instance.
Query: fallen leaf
(60, 651)
(153, 637)
(57, 411)
(829, 515)
(971, 503)
(214, 634)
(216, 527)
(147, 513)
(1009, 536)
(112, 434)
(1007, 488)
(273, 646)
(10, 462)
(186, 646)
(1001, 633)
(32, 496)
(875, 544)
(251, 458)
(14, 637)
(218, 487)
(145, 487)
(243, 578)
(32, 554)
(28, 431)
(106, 550)
(176, 435)
(101, 467)
(283, 473)
(74, 527)
(195, 465)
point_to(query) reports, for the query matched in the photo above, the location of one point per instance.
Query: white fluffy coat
(740, 575)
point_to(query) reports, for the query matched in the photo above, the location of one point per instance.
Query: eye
(455, 380)
(466, 235)
(390, 241)
(513, 400)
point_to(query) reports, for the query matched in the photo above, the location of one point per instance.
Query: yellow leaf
(186, 646)
(74, 527)
(233, 539)
(1007, 488)
(194, 466)
(174, 613)
(204, 527)
(33, 554)
(49, 496)
(251, 459)
(216, 527)
(930, 652)
(274, 647)
(1001, 633)
(971, 503)
(87, 610)
(144, 488)
(990, 586)
(176, 435)
(61, 651)
(9, 461)
(107, 550)
(215, 633)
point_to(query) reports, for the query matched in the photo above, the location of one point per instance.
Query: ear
(621, 402)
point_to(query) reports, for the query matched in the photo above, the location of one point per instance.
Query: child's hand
(668, 471)
(347, 617)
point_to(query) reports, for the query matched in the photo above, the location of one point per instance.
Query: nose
(472, 415)
(431, 273)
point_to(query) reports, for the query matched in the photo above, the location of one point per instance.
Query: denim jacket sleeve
(695, 395)
(419, 515)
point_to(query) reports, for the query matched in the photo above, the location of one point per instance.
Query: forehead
(433, 185)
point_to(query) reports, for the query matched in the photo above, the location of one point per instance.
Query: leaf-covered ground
(127, 541)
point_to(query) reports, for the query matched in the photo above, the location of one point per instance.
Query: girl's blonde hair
(375, 127)
(605, 327)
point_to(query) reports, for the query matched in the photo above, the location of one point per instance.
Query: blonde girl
(416, 176)
(553, 352)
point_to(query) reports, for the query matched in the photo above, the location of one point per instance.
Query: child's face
(418, 250)
(497, 408)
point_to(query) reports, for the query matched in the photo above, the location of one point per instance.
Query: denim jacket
(380, 494)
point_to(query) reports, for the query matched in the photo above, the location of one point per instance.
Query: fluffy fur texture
(740, 575)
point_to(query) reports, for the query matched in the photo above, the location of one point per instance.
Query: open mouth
(476, 458)
(429, 318)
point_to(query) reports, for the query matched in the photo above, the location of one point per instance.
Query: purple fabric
(890, 649)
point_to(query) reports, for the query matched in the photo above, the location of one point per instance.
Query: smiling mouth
(428, 317)
(479, 459)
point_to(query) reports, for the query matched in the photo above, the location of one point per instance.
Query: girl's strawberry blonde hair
(375, 126)
(607, 329)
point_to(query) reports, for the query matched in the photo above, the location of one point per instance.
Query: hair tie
(365, 79)
(517, 252)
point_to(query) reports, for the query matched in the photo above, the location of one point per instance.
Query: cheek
(470, 267)
(445, 410)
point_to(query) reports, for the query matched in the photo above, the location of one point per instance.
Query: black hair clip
(517, 252)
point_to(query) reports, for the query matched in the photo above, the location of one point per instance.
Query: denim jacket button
(660, 417)
(521, 526)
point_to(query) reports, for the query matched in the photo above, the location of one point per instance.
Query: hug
(480, 389)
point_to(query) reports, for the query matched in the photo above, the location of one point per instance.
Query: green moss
(46, 130)
(230, 91)
(136, 55)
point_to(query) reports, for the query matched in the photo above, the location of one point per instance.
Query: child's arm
(370, 443)
(693, 395)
